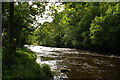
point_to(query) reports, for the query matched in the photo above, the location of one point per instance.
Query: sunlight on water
(82, 64)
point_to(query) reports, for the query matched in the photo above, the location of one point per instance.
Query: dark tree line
(92, 26)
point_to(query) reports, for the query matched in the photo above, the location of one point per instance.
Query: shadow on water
(82, 65)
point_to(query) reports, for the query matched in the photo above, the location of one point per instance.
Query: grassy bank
(24, 66)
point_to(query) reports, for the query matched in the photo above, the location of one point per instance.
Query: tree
(18, 19)
(18, 61)
(104, 29)
(93, 26)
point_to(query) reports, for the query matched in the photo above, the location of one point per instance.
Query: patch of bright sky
(46, 17)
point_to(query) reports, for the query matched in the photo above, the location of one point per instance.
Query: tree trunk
(11, 43)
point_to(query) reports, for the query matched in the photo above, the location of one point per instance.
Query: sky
(46, 17)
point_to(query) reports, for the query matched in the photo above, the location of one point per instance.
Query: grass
(25, 67)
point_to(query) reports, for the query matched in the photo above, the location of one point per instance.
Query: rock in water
(64, 70)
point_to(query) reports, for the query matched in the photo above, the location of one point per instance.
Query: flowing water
(81, 65)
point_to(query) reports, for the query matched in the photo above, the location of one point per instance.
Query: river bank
(24, 67)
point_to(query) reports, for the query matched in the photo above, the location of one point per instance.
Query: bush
(26, 67)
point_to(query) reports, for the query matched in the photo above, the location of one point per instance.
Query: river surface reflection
(82, 64)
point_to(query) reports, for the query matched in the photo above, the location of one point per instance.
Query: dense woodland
(93, 26)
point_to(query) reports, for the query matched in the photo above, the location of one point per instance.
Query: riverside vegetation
(92, 26)
(18, 61)
(24, 66)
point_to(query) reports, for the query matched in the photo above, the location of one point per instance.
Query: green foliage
(104, 29)
(45, 35)
(85, 25)
(26, 67)
(24, 17)
(47, 71)
(19, 62)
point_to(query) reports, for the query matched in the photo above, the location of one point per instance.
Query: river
(81, 65)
